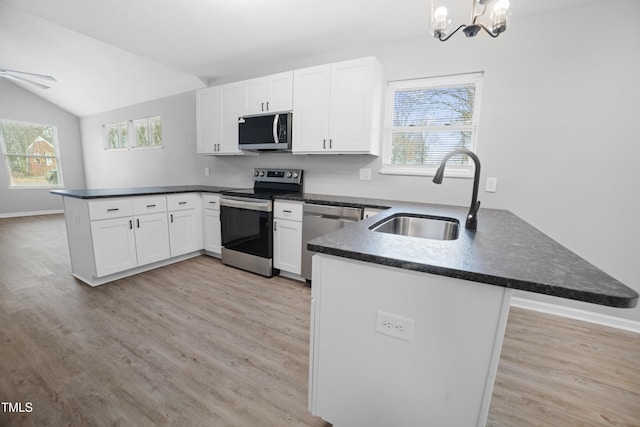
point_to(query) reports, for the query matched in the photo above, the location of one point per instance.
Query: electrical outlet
(492, 184)
(365, 174)
(394, 326)
(206, 171)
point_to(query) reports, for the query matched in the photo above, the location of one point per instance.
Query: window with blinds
(428, 118)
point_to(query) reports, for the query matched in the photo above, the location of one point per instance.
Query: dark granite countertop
(137, 191)
(504, 251)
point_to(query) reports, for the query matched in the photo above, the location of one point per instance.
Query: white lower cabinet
(115, 237)
(185, 223)
(114, 245)
(287, 236)
(211, 223)
(128, 233)
(152, 238)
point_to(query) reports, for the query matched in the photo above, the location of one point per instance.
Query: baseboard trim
(576, 314)
(34, 213)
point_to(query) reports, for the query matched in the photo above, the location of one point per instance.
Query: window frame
(131, 136)
(44, 157)
(452, 170)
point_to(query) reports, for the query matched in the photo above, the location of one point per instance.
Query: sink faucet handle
(472, 217)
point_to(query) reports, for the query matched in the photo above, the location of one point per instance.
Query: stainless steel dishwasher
(318, 220)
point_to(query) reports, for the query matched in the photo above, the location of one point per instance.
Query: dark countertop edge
(347, 201)
(101, 193)
(618, 301)
(322, 199)
(584, 296)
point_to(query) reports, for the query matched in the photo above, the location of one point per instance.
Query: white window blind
(428, 118)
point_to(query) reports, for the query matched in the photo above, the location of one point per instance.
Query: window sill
(449, 172)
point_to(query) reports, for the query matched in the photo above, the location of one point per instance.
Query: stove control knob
(261, 173)
(256, 173)
(295, 175)
(289, 174)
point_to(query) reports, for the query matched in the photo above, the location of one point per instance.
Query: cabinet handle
(182, 203)
(151, 206)
(267, 105)
(275, 226)
(330, 143)
(324, 143)
(113, 210)
(138, 222)
(213, 203)
(262, 106)
(286, 211)
(130, 225)
(172, 218)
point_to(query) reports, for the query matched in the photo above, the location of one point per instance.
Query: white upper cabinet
(218, 109)
(337, 108)
(270, 94)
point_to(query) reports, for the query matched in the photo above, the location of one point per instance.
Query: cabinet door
(212, 235)
(254, 96)
(287, 245)
(311, 109)
(152, 238)
(114, 245)
(185, 231)
(280, 92)
(350, 111)
(208, 119)
(270, 94)
(230, 111)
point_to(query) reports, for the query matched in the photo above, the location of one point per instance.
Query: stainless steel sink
(423, 226)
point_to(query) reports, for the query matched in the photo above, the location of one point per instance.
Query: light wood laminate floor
(201, 344)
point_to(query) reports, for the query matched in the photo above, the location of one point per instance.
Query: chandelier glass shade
(496, 24)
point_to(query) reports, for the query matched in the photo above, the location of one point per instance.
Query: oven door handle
(244, 203)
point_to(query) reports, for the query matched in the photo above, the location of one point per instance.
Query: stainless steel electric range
(247, 219)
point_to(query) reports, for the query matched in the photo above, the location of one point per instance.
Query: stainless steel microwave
(265, 133)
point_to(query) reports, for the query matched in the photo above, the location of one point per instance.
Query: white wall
(173, 164)
(557, 128)
(19, 104)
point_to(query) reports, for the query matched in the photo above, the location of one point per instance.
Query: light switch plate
(492, 184)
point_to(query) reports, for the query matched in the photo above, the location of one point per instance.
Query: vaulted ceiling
(109, 54)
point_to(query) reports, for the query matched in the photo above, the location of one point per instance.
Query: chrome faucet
(472, 219)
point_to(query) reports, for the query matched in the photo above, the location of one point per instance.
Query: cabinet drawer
(177, 202)
(109, 208)
(211, 201)
(149, 204)
(288, 210)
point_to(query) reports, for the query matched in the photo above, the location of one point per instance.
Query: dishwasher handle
(333, 212)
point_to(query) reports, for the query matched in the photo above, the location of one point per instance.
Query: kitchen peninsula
(405, 330)
(408, 331)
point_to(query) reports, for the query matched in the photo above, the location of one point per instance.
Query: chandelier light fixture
(441, 23)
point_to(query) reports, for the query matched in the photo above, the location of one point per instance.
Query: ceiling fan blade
(18, 73)
(20, 79)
